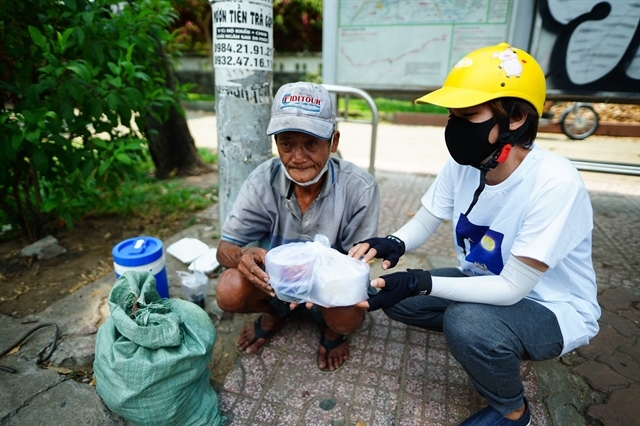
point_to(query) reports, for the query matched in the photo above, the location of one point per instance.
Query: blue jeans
(487, 340)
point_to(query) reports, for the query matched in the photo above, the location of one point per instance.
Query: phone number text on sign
(242, 36)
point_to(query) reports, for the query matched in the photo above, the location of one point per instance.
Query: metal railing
(605, 167)
(347, 92)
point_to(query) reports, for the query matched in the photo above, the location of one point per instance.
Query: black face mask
(467, 142)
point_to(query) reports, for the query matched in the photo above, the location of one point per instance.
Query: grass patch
(150, 197)
(159, 207)
(359, 109)
(200, 97)
(157, 203)
(208, 155)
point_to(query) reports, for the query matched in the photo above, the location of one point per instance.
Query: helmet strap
(506, 140)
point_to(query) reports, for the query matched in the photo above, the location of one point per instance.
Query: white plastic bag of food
(314, 272)
(290, 270)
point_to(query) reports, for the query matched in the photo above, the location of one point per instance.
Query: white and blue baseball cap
(302, 107)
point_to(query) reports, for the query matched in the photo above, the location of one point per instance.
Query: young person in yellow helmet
(525, 288)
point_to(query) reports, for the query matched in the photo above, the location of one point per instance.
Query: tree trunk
(172, 147)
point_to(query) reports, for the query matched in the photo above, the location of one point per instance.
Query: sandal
(329, 345)
(259, 333)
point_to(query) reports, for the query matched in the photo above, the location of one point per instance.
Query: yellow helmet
(489, 73)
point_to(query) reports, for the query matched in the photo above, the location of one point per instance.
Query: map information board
(413, 44)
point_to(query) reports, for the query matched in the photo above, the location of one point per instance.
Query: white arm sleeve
(418, 229)
(514, 282)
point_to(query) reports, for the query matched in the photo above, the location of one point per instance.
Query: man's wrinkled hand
(251, 262)
(396, 287)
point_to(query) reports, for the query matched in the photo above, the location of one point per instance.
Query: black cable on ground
(40, 359)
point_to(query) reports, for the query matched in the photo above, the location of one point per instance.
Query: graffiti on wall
(595, 47)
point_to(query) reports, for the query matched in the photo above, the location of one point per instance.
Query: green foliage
(200, 97)
(297, 25)
(77, 79)
(359, 109)
(152, 198)
(157, 203)
(208, 155)
(193, 26)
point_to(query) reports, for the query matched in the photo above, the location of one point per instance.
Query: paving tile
(344, 391)
(617, 299)
(365, 393)
(414, 387)
(620, 410)
(398, 335)
(373, 360)
(600, 376)
(242, 408)
(387, 401)
(389, 382)
(418, 353)
(417, 368)
(437, 356)
(266, 413)
(287, 417)
(384, 418)
(411, 406)
(457, 413)
(632, 351)
(605, 342)
(435, 410)
(539, 416)
(370, 377)
(325, 411)
(348, 373)
(360, 413)
(622, 364)
(226, 401)
(392, 362)
(459, 395)
(632, 315)
(621, 325)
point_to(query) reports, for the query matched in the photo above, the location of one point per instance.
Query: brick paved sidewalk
(397, 375)
(401, 375)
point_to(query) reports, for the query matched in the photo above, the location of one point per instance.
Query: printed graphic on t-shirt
(480, 245)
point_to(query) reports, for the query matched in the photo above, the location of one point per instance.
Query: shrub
(77, 79)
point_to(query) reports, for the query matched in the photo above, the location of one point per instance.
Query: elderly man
(291, 198)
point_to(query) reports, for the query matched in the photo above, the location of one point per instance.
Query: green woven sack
(151, 357)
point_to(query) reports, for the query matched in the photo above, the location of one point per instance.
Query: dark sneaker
(491, 417)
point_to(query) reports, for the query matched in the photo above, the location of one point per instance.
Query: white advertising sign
(242, 35)
(399, 44)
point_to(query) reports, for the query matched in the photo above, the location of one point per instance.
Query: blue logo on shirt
(481, 245)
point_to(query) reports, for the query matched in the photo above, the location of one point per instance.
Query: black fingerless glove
(390, 248)
(400, 285)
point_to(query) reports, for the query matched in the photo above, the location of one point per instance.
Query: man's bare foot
(257, 334)
(333, 350)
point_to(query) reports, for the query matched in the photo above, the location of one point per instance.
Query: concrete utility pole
(243, 66)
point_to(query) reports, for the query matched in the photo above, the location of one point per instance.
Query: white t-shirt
(542, 211)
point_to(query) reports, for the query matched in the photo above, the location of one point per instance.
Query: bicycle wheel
(579, 121)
